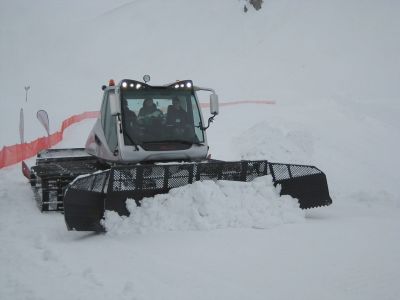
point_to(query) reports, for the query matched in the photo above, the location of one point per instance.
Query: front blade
(88, 197)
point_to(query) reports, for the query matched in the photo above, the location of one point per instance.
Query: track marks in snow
(41, 243)
(90, 275)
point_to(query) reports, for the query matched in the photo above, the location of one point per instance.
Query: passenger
(129, 120)
(129, 115)
(176, 115)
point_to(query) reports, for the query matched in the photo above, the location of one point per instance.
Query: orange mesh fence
(10, 155)
(204, 105)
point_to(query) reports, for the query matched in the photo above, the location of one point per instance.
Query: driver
(149, 111)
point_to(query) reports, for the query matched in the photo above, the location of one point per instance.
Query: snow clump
(208, 205)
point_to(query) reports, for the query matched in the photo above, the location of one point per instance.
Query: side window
(197, 120)
(104, 108)
(109, 123)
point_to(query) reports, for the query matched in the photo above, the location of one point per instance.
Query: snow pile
(263, 141)
(209, 205)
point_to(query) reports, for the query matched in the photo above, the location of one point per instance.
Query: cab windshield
(160, 115)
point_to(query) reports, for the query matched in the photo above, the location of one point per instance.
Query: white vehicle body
(115, 138)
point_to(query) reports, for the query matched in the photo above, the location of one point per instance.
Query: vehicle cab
(143, 123)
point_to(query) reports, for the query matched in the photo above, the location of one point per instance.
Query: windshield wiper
(125, 132)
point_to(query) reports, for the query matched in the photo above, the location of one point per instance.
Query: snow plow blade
(88, 197)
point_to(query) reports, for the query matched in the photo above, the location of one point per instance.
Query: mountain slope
(292, 52)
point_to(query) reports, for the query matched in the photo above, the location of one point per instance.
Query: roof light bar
(182, 84)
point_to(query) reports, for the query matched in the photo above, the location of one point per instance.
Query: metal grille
(83, 183)
(100, 182)
(94, 183)
(124, 180)
(280, 171)
(180, 175)
(287, 171)
(140, 181)
(298, 171)
(256, 169)
(152, 177)
(130, 178)
(71, 168)
(165, 177)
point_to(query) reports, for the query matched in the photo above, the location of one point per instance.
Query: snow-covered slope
(331, 66)
(289, 51)
(348, 251)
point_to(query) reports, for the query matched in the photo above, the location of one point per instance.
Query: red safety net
(204, 105)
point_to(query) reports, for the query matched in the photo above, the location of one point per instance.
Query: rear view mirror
(113, 101)
(214, 106)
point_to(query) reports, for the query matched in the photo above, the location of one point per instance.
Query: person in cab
(149, 111)
(176, 115)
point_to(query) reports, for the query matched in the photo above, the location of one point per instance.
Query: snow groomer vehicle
(147, 140)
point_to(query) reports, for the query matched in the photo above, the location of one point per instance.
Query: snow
(331, 67)
(65, 153)
(208, 205)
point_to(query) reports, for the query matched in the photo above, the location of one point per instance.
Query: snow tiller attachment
(87, 198)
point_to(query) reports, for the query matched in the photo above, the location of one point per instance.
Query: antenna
(26, 92)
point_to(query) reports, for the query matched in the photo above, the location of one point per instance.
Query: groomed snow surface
(331, 67)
